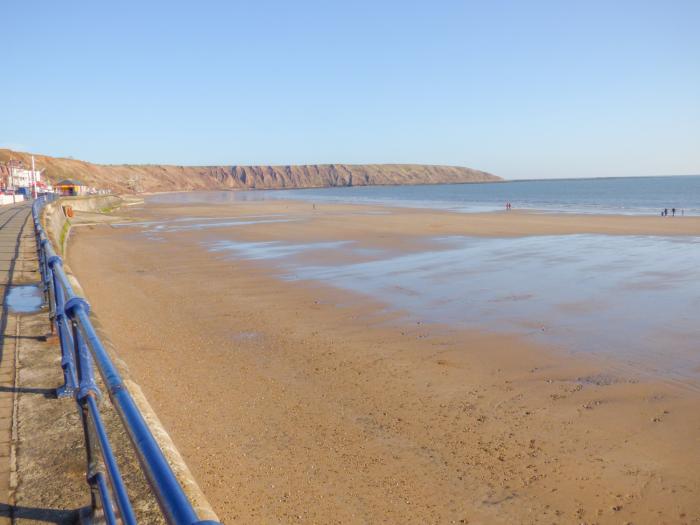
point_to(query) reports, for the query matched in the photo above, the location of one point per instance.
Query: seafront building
(15, 176)
(25, 178)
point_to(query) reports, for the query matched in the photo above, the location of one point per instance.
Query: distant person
(665, 212)
(673, 212)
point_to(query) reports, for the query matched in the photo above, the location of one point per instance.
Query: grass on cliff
(64, 234)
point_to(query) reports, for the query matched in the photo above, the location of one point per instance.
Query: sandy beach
(298, 401)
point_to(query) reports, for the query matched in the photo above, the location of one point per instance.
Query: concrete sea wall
(57, 222)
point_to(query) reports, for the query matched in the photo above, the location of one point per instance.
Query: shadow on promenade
(49, 393)
(15, 512)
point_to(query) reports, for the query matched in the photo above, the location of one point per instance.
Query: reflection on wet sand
(640, 308)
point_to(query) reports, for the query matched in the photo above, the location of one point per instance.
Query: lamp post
(33, 181)
(12, 181)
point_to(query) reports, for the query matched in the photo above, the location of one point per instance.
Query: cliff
(152, 177)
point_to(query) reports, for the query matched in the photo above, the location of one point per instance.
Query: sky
(521, 89)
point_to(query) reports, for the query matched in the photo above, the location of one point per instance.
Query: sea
(622, 195)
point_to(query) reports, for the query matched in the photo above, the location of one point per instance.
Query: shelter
(70, 187)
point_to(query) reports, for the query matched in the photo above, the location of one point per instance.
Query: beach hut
(70, 187)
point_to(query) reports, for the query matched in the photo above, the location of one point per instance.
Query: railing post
(49, 286)
(41, 243)
(40, 251)
(87, 396)
(70, 384)
(45, 271)
(87, 387)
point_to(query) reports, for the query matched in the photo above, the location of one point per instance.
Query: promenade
(17, 265)
(42, 464)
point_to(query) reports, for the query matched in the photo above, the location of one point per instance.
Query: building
(24, 178)
(70, 187)
(14, 176)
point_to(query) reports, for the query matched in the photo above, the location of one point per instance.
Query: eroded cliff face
(152, 177)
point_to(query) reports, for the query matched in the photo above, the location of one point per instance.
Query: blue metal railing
(80, 347)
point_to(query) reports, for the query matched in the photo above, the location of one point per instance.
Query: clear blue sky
(521, 89)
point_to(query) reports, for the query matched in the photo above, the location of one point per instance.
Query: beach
(293, 399)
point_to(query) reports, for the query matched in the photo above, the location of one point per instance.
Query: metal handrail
(80, 347)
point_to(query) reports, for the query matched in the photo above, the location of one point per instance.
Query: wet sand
(294, 401)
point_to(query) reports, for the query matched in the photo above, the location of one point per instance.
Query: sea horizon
(604, 195)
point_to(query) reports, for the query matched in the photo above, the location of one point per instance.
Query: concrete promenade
(16, 266)
(42, 466)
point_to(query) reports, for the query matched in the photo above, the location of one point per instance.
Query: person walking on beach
(673, 211)
(665, 212)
